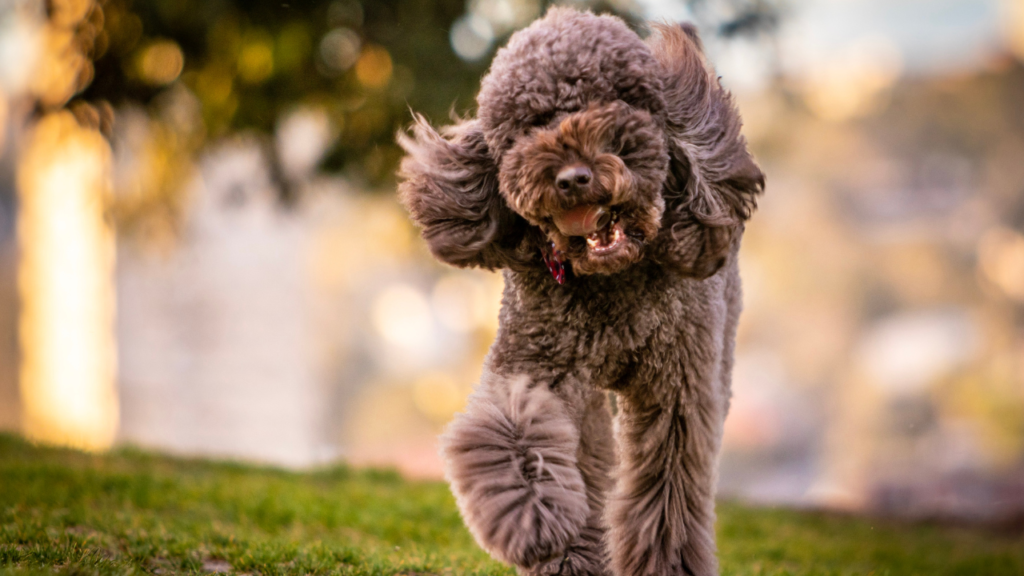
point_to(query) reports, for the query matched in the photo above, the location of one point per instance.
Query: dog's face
(591, 181)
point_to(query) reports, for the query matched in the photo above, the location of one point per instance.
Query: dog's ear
(713, 181)
(449, 184)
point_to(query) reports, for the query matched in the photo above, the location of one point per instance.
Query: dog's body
(617, 167)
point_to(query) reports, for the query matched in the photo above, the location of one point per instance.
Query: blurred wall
(214, 332)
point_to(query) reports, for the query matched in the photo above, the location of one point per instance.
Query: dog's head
(590, 144)
(591, 181)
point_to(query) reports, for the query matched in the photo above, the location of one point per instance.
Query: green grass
(137, 512)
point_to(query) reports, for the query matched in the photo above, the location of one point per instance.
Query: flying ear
(449, 184)
(713, 180)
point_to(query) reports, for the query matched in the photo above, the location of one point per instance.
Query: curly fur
(511, 461)
(539, 478)
(562, 63)
(451, 190)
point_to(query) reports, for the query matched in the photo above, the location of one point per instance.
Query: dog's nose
(573, 176)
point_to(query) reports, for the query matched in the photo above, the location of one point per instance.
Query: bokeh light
(505, 15)
(256, 58)
(66, 284)
(339, 49)
(472, 37)
(401, 315)
(374, 67)
(161, 62)
(68, 13)
(65, 71)
(20, 49)
(1013, 26)
(302, 138)
(293, 46)
(1001, 258)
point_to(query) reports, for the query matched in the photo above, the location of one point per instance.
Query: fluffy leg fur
(663, 514)
(670, 423)
(511, 461)
(587, 555)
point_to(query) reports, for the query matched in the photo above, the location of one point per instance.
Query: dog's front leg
(511, 459)
(587, 555)
(661, 514)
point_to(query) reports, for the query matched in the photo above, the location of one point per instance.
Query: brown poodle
(607, 176)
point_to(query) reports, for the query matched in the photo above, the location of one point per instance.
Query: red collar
(556, 262)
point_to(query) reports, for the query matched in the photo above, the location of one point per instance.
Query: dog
(607, 177)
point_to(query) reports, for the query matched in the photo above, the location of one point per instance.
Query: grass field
(137, 512)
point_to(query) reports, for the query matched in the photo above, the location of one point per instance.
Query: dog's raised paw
(511, 461)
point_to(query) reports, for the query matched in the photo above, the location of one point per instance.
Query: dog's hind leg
(511, 460)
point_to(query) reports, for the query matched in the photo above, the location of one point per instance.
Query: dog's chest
(595, 327)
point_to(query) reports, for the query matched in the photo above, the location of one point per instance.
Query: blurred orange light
(68, 13)
(1014, 26)
(1001, 258)
(161, 63)
(373, 69)
(66, 286)
(63, 67)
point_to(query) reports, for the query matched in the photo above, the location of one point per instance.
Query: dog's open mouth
(598, 225)
(607, 239)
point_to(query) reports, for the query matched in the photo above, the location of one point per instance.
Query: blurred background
(201, 251)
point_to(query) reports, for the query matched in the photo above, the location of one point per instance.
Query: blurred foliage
(365, 64)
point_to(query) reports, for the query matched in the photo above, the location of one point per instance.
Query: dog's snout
(573, 176)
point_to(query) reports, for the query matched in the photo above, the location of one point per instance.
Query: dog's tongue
(583, 220)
